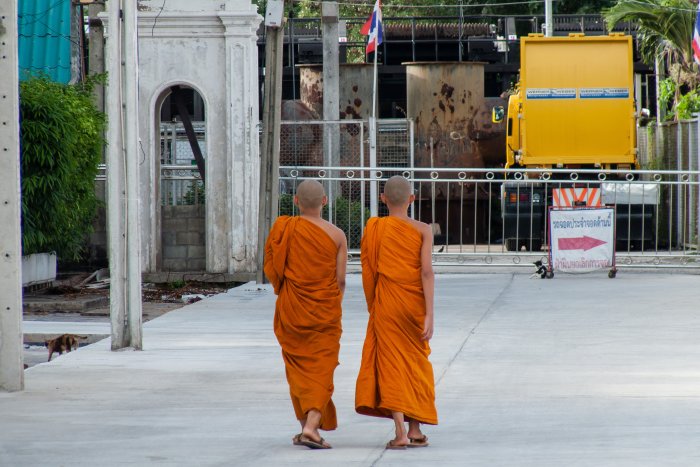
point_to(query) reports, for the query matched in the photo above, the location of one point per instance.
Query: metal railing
(181, 185)
(657, 211)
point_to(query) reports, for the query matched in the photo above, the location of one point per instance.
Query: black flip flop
(418, 442)
(310, 443)
(296, 441)
(398, 447)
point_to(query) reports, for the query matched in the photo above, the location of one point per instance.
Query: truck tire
(511, 244)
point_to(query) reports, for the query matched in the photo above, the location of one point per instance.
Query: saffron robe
(300, 262)
(395, 374)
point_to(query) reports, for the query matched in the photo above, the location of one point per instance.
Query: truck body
(573, 108)
(575, 104)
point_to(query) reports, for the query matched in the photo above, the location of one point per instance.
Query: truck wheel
(511, 244)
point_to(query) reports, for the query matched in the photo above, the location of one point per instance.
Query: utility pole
(123, 219)
(272, 115)
(331, 96)
(11, 362)
(96, 60)
(549, 21)
(76, 34)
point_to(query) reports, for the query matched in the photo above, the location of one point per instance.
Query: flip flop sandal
(310, 443)
(296, 441)
(418, 442)
(397, 447)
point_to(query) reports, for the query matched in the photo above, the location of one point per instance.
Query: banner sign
(550, 93)
(581, 240)
(604, 93)
(571, 93)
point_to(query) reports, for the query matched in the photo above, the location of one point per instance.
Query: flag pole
(373, 198)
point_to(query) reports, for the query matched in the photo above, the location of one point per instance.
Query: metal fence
(180, 181)
(658, 213)
(308, 147)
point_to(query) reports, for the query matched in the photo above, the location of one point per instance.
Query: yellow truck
(573, 108)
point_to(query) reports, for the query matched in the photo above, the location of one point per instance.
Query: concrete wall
(183, 236)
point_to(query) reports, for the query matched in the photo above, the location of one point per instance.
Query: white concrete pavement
(575, 371)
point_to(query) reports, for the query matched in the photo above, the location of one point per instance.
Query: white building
(209, 46)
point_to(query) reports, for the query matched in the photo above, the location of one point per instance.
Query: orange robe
(395, 374)
(300, 262)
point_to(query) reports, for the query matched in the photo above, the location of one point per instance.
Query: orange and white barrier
(576, 197)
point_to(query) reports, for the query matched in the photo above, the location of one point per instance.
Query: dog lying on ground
(63, 343)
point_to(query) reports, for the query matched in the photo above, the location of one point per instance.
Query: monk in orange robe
(305, 260)
(396, 377)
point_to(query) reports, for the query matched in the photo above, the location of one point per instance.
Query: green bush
(195, 194)
(348, 216)
(61, 147)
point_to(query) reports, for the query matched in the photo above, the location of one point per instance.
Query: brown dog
(63, 343)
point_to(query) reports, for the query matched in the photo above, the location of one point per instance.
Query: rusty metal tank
(354, 89)
(355, 103)
(446, 101)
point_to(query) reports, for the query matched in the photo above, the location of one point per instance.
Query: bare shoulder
(422, 227)
(334, 232)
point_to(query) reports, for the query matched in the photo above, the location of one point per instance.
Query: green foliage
(195, 194)
(312, 8)
(678, 106)
(664, 33)
(361, 10)
(688, 104)
(348, 216)
(62, 141)
(177, 284)
(286, 204)
(667, 93)
(664, 28)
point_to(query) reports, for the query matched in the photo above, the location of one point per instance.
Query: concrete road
(573, 371)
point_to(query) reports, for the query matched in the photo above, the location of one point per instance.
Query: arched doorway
(181, 150)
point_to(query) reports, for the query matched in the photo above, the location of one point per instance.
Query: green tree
(665, 31)
(310, 9)
(61, 139)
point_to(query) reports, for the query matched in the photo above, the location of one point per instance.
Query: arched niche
(180, 139)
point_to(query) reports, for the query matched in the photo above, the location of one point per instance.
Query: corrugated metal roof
(44, 38)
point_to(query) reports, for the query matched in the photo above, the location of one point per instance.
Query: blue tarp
(44, 38)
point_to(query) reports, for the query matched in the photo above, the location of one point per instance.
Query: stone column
(243, 153)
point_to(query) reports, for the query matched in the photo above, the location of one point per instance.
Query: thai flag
(373, 28)
(696, 37)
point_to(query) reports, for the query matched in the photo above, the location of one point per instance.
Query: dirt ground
(72, 299)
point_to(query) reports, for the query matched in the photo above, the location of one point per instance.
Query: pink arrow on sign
(584, 243)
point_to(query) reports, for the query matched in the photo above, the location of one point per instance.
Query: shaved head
(310, 194)
(397, 190)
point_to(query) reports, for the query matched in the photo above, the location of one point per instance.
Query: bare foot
(399, 441)
(310, 431)
(414, 432)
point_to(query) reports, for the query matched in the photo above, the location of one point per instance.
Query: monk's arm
(428, 280)
(369, 270)
(341, 262)
(269, 268)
